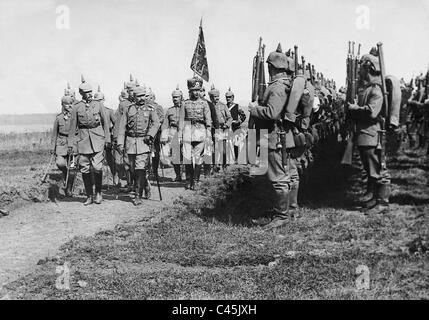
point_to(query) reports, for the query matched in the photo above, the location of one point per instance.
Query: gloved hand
(148, 140)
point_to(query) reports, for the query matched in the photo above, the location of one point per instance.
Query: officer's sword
(45, 175)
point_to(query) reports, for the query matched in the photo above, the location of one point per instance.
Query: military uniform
(60, 135)
(194, 129)
(366, 117)
(170, 129)
(137, 128)
(268, 115)
(157, 139)
(238, 117)
(90, 120)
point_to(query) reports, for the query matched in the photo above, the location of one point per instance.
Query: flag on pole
(199, 59)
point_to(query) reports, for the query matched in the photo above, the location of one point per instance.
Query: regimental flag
(199, 60)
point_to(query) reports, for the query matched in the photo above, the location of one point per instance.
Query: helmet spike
(82, 79)
(279, 48)
(131, 77)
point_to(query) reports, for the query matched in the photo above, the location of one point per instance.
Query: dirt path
(34, 232)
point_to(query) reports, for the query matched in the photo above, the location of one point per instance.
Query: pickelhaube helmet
(130, 84)
(139, 91)
(67, 100)
(84, 86)
(194, 83)
(229, 93)
(68, 91)
(99, 95)
(371, 60)
(177, 92)
(214, 92)
(279, 60)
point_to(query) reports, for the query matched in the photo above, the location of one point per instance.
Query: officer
(237, 114)
(137, 129)
(365, 114)
(89, 118)
(156, 141)
(170, 127)
(59, 143)
(268, 115)
(195, 131)
(109, 155)
(221, 124)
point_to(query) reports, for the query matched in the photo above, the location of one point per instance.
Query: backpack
(394, 97)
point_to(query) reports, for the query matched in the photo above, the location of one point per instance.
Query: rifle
(48, 166)
(381, 146)
(295, 59)
(351, 82)
(311, 74)
(258, 79)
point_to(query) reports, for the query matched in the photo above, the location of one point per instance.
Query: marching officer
(170, 127)
(59, 142)
(365, 113)
(137, 129)
(195, 131)
(89, 118)
(156, 141)
(221, 123)
(269, 116)
(110, 114)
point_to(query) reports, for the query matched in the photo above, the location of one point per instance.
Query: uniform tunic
(59, 139)
(90, 121)
(136, 123)
(370, 98)
(194, 121)
(267, 116)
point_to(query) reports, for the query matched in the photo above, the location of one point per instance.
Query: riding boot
(178, 173)
(146, 184)
(197, 174)
(69, 186)
(382, 199)
(87, 182)
(98, 180)
(189, 170)
(139, 190)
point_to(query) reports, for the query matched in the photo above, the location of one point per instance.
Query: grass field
(203, 247)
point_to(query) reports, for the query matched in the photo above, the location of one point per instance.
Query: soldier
(194, 130)
(59, 142)
(109, 155)
(269, 116)
(221, 123)
(365, 114)
(137, 129)
(237, 114)
(170, 127)
(156, 142)
(88, 117)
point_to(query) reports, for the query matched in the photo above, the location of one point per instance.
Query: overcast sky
(155, 40)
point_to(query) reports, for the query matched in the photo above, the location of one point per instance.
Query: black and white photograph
(216, 154)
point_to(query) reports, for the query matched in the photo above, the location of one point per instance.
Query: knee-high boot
(98, 180)
(87, 182)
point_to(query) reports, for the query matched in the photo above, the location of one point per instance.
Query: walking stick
(155, 173)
